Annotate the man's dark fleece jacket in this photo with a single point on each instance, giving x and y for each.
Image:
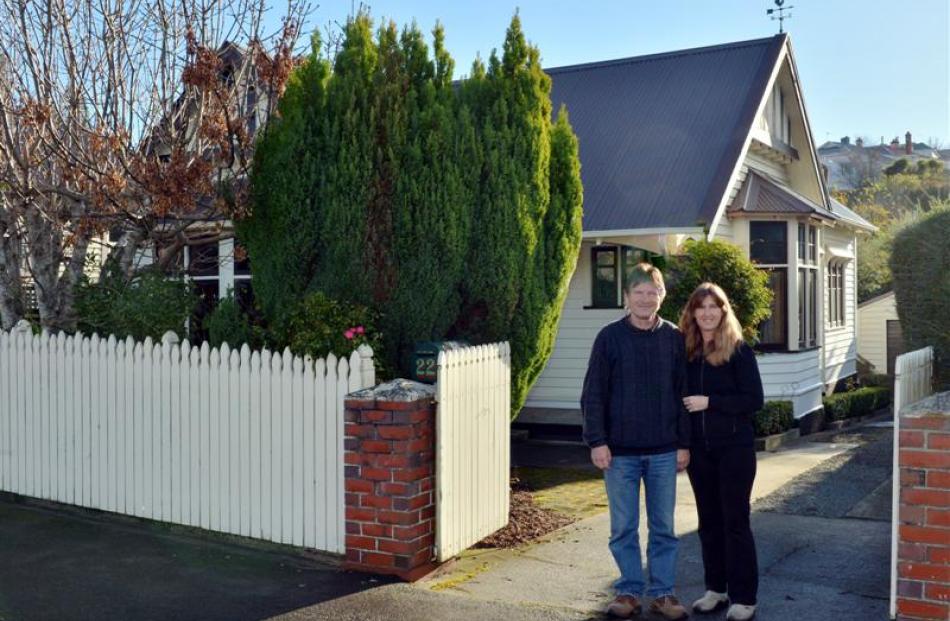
(633, 391)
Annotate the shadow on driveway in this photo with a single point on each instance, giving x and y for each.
(67, 565)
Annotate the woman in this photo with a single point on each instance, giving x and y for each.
(725, 391)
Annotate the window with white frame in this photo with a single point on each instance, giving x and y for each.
(836, 310)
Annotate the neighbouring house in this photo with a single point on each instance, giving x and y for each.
(708, 143)
(880, 340)
(849, 162)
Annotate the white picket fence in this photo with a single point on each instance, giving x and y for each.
(913, 381)
(241, 442)
(472, 445)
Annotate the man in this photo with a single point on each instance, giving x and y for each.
(637, 428)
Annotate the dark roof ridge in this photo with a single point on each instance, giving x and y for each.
(663, 55)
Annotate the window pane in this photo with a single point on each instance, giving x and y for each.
(812, 308)
(605, 257)
(207, 291)
(832, 297)
(802, 275)
(242, 263)
(772, 332)
(812, 244)
(801, 242)
(767, 242)
(203, 260)
(630, 258)
(842, 282)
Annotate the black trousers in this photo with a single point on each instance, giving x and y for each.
(722, 484)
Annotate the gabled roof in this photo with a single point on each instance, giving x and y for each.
(660, 135)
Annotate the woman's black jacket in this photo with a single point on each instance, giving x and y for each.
(735, 395)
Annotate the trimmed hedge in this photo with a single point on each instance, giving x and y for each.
(774, 417)
(856, 402)
(920, 264)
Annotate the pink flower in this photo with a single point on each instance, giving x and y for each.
(360, 330)
(349, 334)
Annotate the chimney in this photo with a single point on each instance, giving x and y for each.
(845, 140)
(908, 144)
(859, 142)
(895, 145)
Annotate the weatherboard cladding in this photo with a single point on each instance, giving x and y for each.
(660, 135)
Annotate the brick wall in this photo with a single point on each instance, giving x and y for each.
(390, 470)
(923, 552)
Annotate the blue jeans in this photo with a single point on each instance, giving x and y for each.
(623, 493)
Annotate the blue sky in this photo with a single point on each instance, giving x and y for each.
(871, 68)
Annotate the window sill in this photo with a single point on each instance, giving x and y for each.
(834, 329)
(781, 349)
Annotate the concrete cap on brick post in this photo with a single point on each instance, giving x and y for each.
(389, 454)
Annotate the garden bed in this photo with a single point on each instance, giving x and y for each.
(776, 440)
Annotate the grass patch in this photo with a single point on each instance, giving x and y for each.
(575, 492)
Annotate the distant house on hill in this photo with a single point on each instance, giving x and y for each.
(848, 162)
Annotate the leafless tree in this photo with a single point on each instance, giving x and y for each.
(134, 117)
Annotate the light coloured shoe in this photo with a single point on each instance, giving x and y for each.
(625, 607)
(740, 612)
(710, 602)
(668, 607)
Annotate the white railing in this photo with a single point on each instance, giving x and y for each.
(913, 381)
(241, 442)
(473, 444)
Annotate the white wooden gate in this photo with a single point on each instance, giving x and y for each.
(913, 381)
(472, 446)
(226, 440)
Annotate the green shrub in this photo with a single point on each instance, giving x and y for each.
(454, 210)
(881, 380)
(856, 403)
(725, 265)
(920, 264)
(774, 417)
(149, 305)
(228, 324)
(320, 325)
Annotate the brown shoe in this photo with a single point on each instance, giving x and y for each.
(668, 607)
(625, 607)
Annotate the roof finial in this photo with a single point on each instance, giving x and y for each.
(781, 17)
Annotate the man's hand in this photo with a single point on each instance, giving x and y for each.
(601, 456)
(682, 459)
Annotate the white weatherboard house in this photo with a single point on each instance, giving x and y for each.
(708, 143)
(880, 339)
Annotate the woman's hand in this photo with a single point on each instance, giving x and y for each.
(696, 403)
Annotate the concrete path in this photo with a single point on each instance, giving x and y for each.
(842, 563)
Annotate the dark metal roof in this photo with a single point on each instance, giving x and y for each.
(761, 194)
(843, 213)
(660, 135)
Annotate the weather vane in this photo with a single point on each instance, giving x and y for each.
(781, 17)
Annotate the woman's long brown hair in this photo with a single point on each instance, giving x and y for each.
(728, 334)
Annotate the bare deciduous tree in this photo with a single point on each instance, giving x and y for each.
(134, 117)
